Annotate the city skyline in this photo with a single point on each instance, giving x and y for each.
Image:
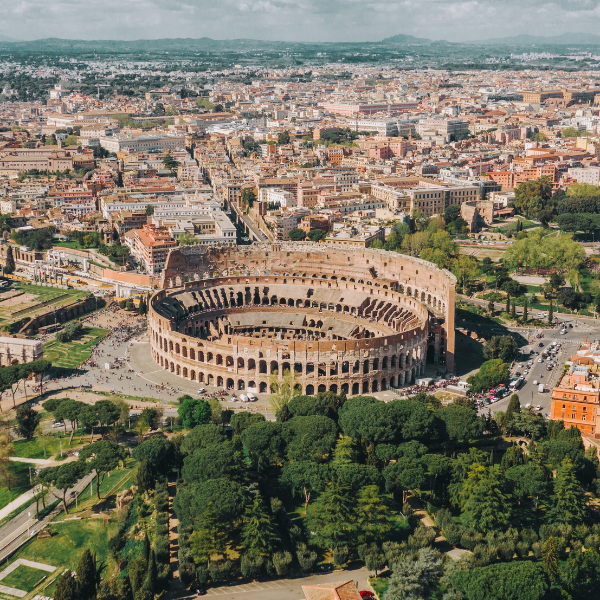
(296, 20)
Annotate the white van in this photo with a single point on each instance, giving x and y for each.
(251, 397)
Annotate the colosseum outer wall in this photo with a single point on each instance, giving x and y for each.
(424, 289)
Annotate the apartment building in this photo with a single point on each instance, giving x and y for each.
(589, 175)
(575, 399)
(150, 246)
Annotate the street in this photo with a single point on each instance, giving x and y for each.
(16, 531)
(583, 328)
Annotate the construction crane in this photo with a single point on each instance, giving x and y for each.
(99, 85)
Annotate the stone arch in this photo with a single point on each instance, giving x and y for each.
(193, 375)
(219, 381)
(241, 384)
(251, 365)
(310, 390)
(240, 362)
(355, 388)
(262, 387)
(230, 383)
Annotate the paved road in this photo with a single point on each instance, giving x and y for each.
(528, 393)
(17, 530)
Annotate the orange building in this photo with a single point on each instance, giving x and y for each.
(575, 399)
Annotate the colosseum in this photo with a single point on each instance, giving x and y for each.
(321, 316)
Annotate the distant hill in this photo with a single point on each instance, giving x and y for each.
(564, 39)
(402, 38)
(5, 38)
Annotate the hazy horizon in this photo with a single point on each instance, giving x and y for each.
(295, 20)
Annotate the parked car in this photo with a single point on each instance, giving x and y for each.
(366, 594)
(202, 391)
(58, 424)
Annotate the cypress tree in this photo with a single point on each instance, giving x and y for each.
(513, 311)
(570, 506)
(146, 547)
(507, 302)
(550, 313)
(86, 576)
(126, 591)
(10, 261)
(66, 587)
(152, 572)
(525, 310)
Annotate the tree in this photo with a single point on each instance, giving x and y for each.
(550, 559)
(264, 444)
(87, 579)
(491, 373)
(27, 421)
(258, 531)
(304, 477)
(208, 539)
(516, 580)
(332, 517)
(570, 505)
(501, 346)
(415, 579)
(297, 235)
(487, 506)
(69, 410)
(525, 310)
(316, 235)
(102, 457)
(248, 197)
(531, 196)
(283, 138)
(514, 407)
(9, 267)
(7, 476)
(152, 577)
(309, 438)
(159, 453)
(374, 519)
(149, 210)
(212, 462)
(66, 587)
(194, 412)
(550, 313)
(108, 413)
(580, 575)
(65, 477)
(462, 422)
(88, 417)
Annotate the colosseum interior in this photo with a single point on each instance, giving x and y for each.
(321, 317)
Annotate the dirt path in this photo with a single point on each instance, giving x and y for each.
(176, 587)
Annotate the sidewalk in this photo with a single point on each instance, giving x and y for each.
(26, 497)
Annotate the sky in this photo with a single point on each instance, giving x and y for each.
(294, 20)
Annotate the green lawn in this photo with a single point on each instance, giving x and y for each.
(71, 354)
(20, 472)
(24, 578)
(72, 244)
(34, 299)
(34, 448)
(379, 584)
(68, 542)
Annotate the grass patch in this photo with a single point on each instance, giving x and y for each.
(20, 474)
(72, 244)
(24, 578)
(68, 542)
(71, 354)
(34, 448)
(380, 585)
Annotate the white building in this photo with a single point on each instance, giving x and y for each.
(589, 175)
(143, 143)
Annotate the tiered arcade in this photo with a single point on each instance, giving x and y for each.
(327, 318)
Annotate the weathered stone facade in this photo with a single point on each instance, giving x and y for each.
(16, 351)
(336, 319)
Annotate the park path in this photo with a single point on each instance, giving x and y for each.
(176, 588)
